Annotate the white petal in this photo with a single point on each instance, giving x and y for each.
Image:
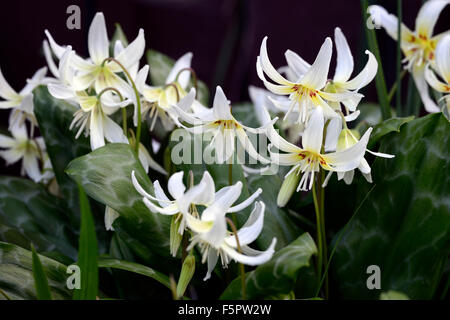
(333, 130)
(6, 92)
(389, 22)
(345, 64)
(252, 260)
(207, 197)
(113, 132)
(380, 154)
(248, 146)
(212, 261)
(96, 129)
(182, 63)
(163, 200)
(422, 86)
(145, 157)
(428, 16)
(98, 43)
(19, 131)
(366, 75)
(364, 166)
(110, 216)
(6, 142)
(250, 231)
(133, 52)
(169, 210)
(11, 156)
(56, 48)
(49, 58)
(312, 137)
(434, 82)
(317, 75)
(221, 105)
(34, 81)
(296, 63)
(216, 235)
(31, 166)
(225, 197)
(268, 67)
(60, 91)
(141, 78)
(176, 186)
(244, 204)
(443, 58)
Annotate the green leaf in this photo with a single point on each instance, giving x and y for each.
(136, 268)
(245, 113)
(16, 275)
(87, 253)
(278, 276)
(30, 214)
(105, 175)
(276, 220)
(404, 226)
(385, 127)
(393, 295)
(40, 279)
(54, 117)
(160, 66)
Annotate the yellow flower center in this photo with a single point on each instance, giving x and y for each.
(419, 49)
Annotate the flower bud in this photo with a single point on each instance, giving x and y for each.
(288, 187)
(187, 272)
(346, 139)
(175, 236)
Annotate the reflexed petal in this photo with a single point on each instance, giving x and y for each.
(169, 210)
(434, 82)
(365, 76)
(198, 225)
(349, 158)
(19, 131)
(244, 204)
(163, 200)
(248, 146)
(268, 67)
(207, 197)
(113, 132)
(333, 130)
(250, 231)
(176, 186)
(133, 52)
(421, 85)
(31, 166)
(287, 159)
(144, 157)
(212, 261)
(6, 142)
(296, 63)
(110, 216)
(251, 260)
(364, 166)
(443, 58)
(224, 199)
(141, 190)
(34, 81)
(6, 92)
(98, 44)
(312, 137)
(60, 91)
(184, 77)
(345, 64)
(11, 156)
(9, 104)
(96, 129)
(141, 78)
(428, 16)
(389, 22)
(380, 154)
(317, 75)
(56, 48)
(49, 58)
(221, 105)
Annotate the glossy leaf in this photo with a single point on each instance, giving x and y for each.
(105, 175)
(404, 226)
(40, 278)
(16, 275)
(87, 252)
(385, 127)
(278, 276)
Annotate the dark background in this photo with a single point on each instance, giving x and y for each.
(225, 36)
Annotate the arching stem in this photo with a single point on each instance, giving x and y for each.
(241, 266)
(124, 111)
(194, 76)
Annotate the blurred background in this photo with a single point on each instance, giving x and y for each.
(224, 35)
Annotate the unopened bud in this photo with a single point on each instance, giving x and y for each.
(175, 236)
(288, 187)
(187, 272)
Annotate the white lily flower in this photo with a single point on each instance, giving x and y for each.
(22, 147)
(219, 121)
(310, 158)
(95, 72)
(212, 236)
(418, 46)
(346, 139)
(22, 101)
(442, 69)
(306, 94)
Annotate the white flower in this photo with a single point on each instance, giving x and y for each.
(310, 158)
(148, 162)
(212, 236)
(443, 69)
(306, 94)
(22, 101)
(418, 46)
(21, 147)
(95, 72)
(220, 122)
(345, 140)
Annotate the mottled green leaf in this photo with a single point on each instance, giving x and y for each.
(16, 275)
(278, 276)
(385, 127)
(404, 226)
(29, 213)
(105, 175)
(393, 295)
(40, 278)
(87, 252)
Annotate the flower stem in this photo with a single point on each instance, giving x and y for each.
(194, 76)
(241, 266)
(138, 101)
(319, 232)
(124, 111)
(322, 219)
(399, 58)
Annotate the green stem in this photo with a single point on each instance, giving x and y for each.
(379, 79)
(194, 76)
(319, 232)
(124, 111)
(3, 293)
(241, 266)
(138, 101)
(322, 220)
(394, 86)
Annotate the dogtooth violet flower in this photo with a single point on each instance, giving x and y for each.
(442, 69)
(220, 122)
(21, 102)
(307, 160)
(210, 229)
(96, 72)
(419, 45)
(307, 92)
